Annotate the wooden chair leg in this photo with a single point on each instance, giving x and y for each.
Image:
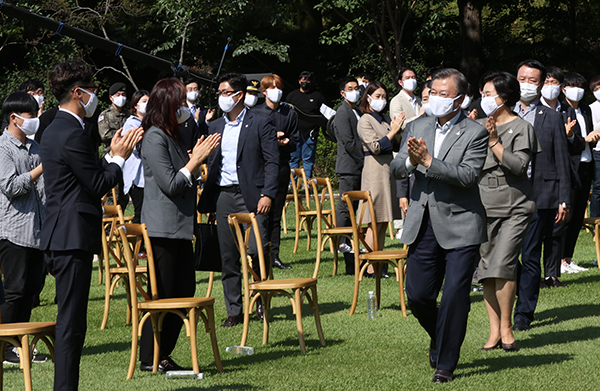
(247, 310)
(357, 273)
(193, 340)
(298, 302)
(156, 332)
(319, 249)
(266, 309)
(107, 285)
(309, 223)
(134, 346)
(283, 218)
(377, 271)
(597, 243)
(210, 315)
(297, 238)
(211, 280)
(315, 305)
(25, 361)
(391, 229)
(401, 286)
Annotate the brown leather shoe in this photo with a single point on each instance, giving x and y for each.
(233, 320)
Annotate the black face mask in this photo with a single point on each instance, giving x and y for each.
(305, 85)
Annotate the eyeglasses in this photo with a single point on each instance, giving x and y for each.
(226, 93)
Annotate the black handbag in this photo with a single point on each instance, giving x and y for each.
(208, 253)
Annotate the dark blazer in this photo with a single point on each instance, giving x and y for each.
(257, 159)
(350, 155)
(91, 126)
(75, 181)
(189, 133)
(551, 171)
(285, 120)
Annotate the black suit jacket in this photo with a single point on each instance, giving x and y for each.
(257, 162)
(189, 133)
(350, 155)
(285, 120)
(74, 181)
(551, 170)
(91, 126)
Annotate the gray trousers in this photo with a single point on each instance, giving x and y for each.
(231, 277)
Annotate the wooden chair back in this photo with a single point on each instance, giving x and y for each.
(321, 192)
(358, 225)
(298, 180)
(241, 238)
(112, 217)
(132, 236)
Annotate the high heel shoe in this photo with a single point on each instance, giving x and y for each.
(510, 347)
(496, 346)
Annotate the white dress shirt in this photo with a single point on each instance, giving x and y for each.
(229, 146)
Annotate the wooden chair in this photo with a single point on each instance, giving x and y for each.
(327, 228)
(267, 288)
(305, 215)
(289, 198)
(593, 225)
(18, 335)
(373, 256)
(199, 216)
(112, 248)
(189, 309)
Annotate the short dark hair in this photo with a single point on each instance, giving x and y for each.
(367, 75)
(191, 80)
(427, 85)
(404, 69)
(371, 88)
(165, 99)
(237, 81)
(308, 75)
(432, 71)
(67, 75)
(346, 80)
(19, 102)
(506, 85)
(462, 85)
(136, 98)
(555, 72)
(31, 85)
(534, 64)
(594, 82)
(574, 79)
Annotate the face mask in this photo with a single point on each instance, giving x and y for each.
(409, 84)
(597, 94)
(550, 92)
(427, 109)
(226, 103)
(574, 94)
(30, 125)
(363, 84)
(528, 92)
(466, 103)
(141, 107)
(192, 96)
(119, 101)
(305, 85)
(352, 96)
(250, 100)
(377, 104)
(441, 107)
(274, 94)
(489, 105)
(39, 99)
(90, 107)
(183, 114)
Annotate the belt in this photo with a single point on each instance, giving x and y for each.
(230, 189)
(495, 181)
(368, 153)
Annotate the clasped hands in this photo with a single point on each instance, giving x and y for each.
(123, 145)
(418, 152)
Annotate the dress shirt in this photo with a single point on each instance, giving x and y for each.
(558, 105)
(412, 101)
(23, 203)
(74, 115)
(529, 113)
(586, 155)
(440, 135)
(229, 147)
(133, 170)
(595, 107)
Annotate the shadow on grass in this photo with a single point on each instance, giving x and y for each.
(513, 360)
(561, 337)
(562, 314)
(284, 312)
(239, 386)
(114, 296)
(106, 347)
(590, 278)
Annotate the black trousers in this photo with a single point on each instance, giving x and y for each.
(346, 183)
(553, 250)
(73, 272)
(23, 270)
(579, 202)
(137, 198)
(274, 228)
(175, 277)
(427, 265)
(231, 276)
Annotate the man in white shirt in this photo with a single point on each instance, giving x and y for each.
(406, 101)
(595, 108)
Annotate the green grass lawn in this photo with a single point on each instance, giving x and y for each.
(560, 352)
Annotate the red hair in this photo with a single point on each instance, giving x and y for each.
(165, 99)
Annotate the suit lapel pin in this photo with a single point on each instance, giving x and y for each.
(458, 133)
(541, 112)
(246, 125)
(510, 131)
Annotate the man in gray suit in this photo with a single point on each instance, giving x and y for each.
(350, 156)
(445, 222)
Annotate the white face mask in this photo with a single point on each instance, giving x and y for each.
(119, 101)
(427, 109)
(39, 99)
(489, 105)
(597, 94)
(141, 107)
(440, 107)
(183, 114)
(377, 104)
(274, 94)
(550, 92)
(528, 92)
(192, 96)
(574, 94)
(30, 125)
(362, 83)
(466, 103)
(226, 103)
(90, 107)
(352, 96)
(250, 100)
(409, 84)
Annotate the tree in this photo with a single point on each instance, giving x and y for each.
(471, 61)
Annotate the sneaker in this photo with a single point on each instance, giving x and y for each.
(362, 250)
(11, 357)
(345, 248)
(399, 234)
(38, 357)
(578, 268)
(565, 268)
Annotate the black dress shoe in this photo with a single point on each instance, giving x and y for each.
(442, 376)
(385, 276)
(510, 347)
(233, 320)
(553, 282)
(164, 365)
(497, 345)
(543, 284)
(260, 314)
(521, 325)
(432, 358)
(280, 265)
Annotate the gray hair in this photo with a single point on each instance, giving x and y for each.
(462, 85)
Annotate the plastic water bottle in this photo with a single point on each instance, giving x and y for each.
(371, 306)
(243, 350)
(185, 375)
